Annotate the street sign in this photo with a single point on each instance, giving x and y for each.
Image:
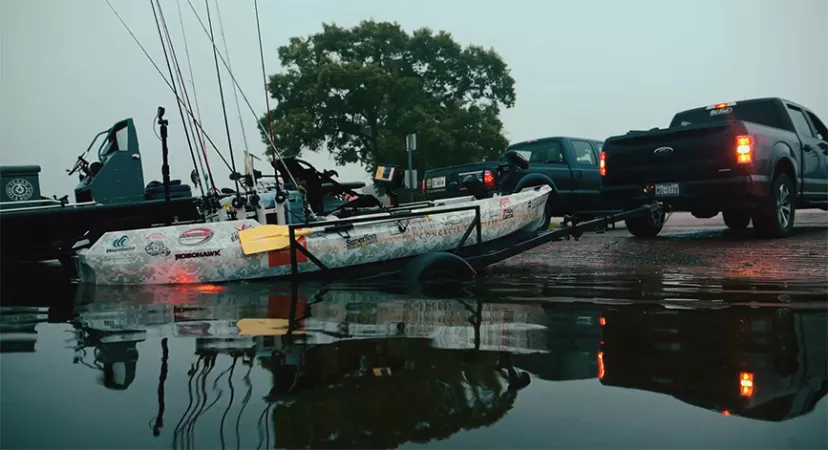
(411, 142)
(411, 179)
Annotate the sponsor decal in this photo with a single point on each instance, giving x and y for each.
(362, 241)
(235, 236)
(156, 236)
(447, 231)
(508, 213)
(195, 236)
(504, 202)
(191, 255)
(121, 244)
(157, 248)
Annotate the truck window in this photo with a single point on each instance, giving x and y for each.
(583, 152)
(540, 152)
(800, 122)
(822, 131)
(762, 112)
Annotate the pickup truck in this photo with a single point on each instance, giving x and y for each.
(568, 165)
(753, 160)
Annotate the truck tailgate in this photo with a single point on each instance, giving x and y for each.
(447, 181)
(705, 151)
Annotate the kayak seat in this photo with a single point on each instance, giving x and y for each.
(155, 190)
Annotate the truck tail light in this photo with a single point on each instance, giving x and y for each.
(488, 178)
(744, 149)
(602, 164)
(423, 185)
(746, 384)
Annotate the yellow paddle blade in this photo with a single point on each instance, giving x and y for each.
(265, 238)
(264, 327)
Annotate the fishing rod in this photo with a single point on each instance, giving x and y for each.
(223, 107)
(241, 91)
(183, 87)
(180, 112)
(195, 92)
(235, 91)
(178, 98)
(279, 194)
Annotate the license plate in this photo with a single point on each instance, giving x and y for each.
(439, 182)
(667, 189)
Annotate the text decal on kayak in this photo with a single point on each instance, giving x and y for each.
(195, 236)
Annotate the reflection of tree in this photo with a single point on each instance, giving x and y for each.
(337, 399)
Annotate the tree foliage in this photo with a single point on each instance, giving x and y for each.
(357, 92)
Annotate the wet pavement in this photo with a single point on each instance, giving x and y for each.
(701, 246)
(609, 342)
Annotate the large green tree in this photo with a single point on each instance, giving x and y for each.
(357, 92)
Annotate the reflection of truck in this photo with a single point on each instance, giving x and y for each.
(761, 363)
(568, 165)
(755, 160)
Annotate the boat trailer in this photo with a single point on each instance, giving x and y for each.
(464, 261)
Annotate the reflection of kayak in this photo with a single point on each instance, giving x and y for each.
(212, 252)
(258, 310)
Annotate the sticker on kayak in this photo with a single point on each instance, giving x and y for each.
(195, 236)
(716, 112)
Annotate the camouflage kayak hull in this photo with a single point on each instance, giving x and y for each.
(211, 252)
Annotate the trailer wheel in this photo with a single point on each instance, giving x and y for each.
(647, 226)
(438, 267)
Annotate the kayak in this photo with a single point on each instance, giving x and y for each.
(212, 252)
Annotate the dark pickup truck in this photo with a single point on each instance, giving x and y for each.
(568, 165)
(758, 160)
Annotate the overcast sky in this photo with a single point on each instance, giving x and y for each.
(591, 68)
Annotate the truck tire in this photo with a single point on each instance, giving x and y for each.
(775, 214)
(736, 220)
(646, 226)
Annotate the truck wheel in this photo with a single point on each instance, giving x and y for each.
(736, 220)
(646, 226)
(774, 217)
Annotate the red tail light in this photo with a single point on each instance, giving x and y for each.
(488, 178)
(746, 384)
(423, 185)
(602, 164)
(601, 370)
(744, 149)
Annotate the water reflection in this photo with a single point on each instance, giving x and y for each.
(762, 363)
(260, 365)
